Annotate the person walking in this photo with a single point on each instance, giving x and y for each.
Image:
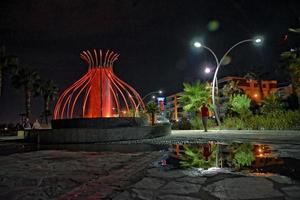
(204, 115)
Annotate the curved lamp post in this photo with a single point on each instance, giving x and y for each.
(150, 93)
(256, 40)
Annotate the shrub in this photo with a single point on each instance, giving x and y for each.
(234, 123)
(240, 103)
(196, 123)
(270, 103)
(275, 120)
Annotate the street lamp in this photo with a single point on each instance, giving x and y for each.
(150, 93)
(256, 40)
(207, 70)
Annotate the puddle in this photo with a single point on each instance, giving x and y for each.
(213, 157)
(238, 157)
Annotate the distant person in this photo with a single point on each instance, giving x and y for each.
(204, 115)
(26, 124)
(36, 124)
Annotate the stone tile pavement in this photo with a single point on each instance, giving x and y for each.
(111, 175)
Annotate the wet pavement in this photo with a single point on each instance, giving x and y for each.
(111, 175)
(59, 174)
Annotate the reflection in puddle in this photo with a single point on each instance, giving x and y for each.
(246, 157)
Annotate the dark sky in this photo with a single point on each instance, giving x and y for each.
(154, 39)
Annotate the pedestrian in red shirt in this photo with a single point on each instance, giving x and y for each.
(204, 114)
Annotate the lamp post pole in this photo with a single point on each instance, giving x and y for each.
(150, 93)
(214, 83)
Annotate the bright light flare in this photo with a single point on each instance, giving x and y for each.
(258, 40)
(197, 44)
(207, 70)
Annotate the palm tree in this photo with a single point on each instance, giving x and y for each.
(194, 95)
(49, 92)
(5, 63)
(26, 79)
(291, 63)
(258, 76)
(152, 109)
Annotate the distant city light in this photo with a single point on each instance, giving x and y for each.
(160, 91)
(153, 97)
(197, 44)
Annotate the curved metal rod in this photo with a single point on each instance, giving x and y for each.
(125, 89)
(96, 57)
(84, 85)
(70, 96)
(120, 91)
(92, 60)
(115, 96)
(62, 96)
(100, 53)
(87, 94)
(134, 91)
(216, 72)
(105, 58)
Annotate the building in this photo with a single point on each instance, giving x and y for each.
(251, 87)
(173, 108)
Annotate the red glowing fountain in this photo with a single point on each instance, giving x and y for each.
(99, 93)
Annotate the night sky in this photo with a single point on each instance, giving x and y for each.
(154, 39)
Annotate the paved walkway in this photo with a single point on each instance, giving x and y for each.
(134, 176)
(229, 135)
(82, 175)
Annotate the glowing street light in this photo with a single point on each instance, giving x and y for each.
(257, 40)
(197, 44)
(207, 70)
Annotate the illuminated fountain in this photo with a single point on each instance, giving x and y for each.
(99, 93)
(95, 108)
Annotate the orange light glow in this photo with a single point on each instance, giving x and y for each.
(99, 93)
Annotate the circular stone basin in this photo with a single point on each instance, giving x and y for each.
(100, 123)
(95, 130)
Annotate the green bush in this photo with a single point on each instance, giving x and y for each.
(271, 103)
(234, 123)
(240, 103)
(275, 120)
(196, 123)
